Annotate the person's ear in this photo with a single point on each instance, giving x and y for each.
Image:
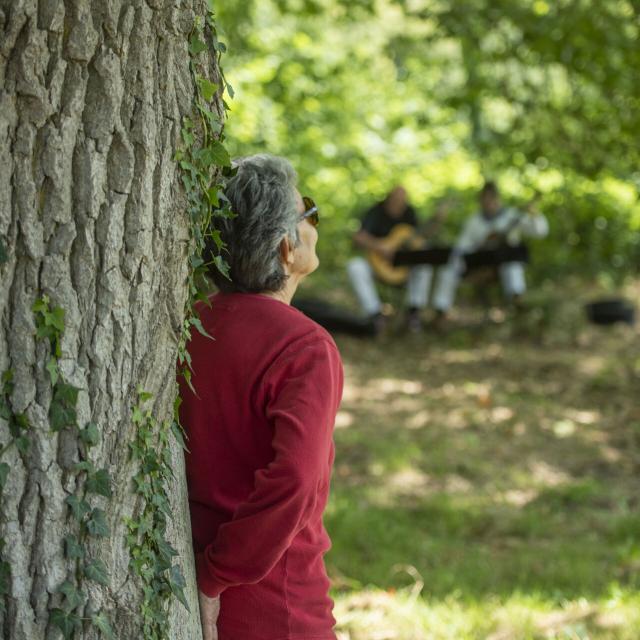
(286, 251)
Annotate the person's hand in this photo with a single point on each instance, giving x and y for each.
(531, 208)
(443, 209)
(386, 252)
(209, 610)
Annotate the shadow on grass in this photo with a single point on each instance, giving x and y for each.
(493, 466)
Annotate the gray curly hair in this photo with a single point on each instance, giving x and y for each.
(263, 197)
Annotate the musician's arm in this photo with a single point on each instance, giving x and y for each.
(365, 240)
(470, 237)
(534, 224)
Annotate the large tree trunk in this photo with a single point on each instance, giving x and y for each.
(91, 214)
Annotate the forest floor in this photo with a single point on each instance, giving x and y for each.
(487, 479)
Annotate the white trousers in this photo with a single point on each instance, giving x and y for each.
(363, 283)
(511, 277)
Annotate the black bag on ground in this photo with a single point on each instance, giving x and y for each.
(610, 311)
(334, 319)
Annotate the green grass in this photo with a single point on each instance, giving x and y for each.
(487, 484)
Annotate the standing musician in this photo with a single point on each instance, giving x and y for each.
(377, 226)
(492, 226)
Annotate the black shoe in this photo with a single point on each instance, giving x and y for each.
(440, 319)
(414, 321)
(378, 323)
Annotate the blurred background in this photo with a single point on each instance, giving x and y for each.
(436, 95)
(486, 480)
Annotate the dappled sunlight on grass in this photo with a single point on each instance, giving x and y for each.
(373, 614)
(505, 472)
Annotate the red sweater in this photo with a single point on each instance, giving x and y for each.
(261, 450)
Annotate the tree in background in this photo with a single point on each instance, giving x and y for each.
(540, 95)
(96, 228)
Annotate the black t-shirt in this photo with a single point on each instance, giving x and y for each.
(379, 223)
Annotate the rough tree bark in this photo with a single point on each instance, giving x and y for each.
(91, 211)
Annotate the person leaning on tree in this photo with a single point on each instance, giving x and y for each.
(260, 423)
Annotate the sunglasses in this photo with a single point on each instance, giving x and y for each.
(311, 214)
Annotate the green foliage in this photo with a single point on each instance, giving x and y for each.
(435, 95)
(73, 549)
(5, 577)
(100, 483)
(66, 621)
(49, 323)
(151, 554)
(18, 425)
(101, 622)
(478, 464)
(203, 160)
(96, 570)
(90, 520)
(4, 253)
(62, 411)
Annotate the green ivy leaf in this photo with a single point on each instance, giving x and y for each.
(165, 549)
(56, 319)
(162, 503)
(5, 577)
(101, 621)
(73, 548)
(66, 622)
(208, 89)
(100, 483)
(186, 374)
(188, 138)
(52, 368)
(72, 594)
(137, 416)
(41, 305)
(4, 474)
(24, 444)
(97, 524)
(179, 434)
(216, 154)
(90, 435)
(21, 422)
(219, 46)
(177, 584)
(197, 323)
(66, 393)
(5, 409)
(4, 254)
(196, 45)
(212, 196)
(62, 412)
(214, 234)
(222, 266)
(61, 416)
(195, 261)
(85, 465)
(97, 571)
(79, 507)
(143, 396)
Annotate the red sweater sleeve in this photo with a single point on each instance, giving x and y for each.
(303, 389)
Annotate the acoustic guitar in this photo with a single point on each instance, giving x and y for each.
(402, 236)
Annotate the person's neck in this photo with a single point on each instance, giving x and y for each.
(286, 293)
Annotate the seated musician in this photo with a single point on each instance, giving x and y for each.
(377, 223)
(493, 225)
